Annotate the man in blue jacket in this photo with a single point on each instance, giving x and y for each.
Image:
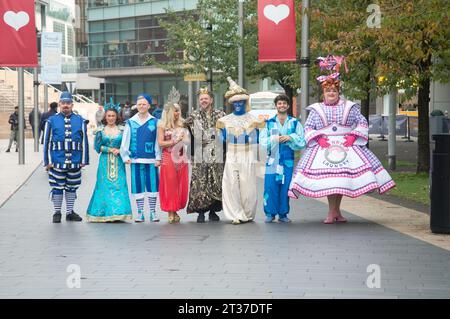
(282, 136)
(66, 151)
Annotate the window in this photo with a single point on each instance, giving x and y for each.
(96, 26)
(70, 42)
(112, 25)
(126, 24)
(59, 27)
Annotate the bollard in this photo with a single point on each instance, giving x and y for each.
(440, 185)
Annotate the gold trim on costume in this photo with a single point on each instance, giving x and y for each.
(113, 172)
(99, 219)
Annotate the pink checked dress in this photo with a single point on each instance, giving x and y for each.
(350, 171)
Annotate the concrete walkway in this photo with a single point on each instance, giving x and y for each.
(14, 175)
(384, 251)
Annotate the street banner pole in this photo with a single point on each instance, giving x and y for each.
(36, 110)
(241, 47)
(190, 97)
(21, 116)
(45, 98)
(392, 129)
(304, 61)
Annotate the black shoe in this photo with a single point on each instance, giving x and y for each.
(73, 217)
(8, 150)
(57, 217)
(213, 217)
(17, 150)
(201, 218)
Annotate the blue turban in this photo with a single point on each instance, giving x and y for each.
(144, 96)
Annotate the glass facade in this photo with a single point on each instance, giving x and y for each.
(123, 89)
(107, 3)
(123, 35)
(128, 42)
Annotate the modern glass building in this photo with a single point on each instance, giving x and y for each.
(123, 34)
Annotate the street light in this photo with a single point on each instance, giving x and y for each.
(210, 71)
(206, 23)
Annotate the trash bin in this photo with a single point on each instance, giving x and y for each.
(440, 185)
(436, 122)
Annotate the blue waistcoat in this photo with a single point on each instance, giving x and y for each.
(66, 141)
(143, 139)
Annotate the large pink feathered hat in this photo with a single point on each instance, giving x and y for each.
(332, 65)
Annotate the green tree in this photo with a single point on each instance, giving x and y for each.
(203, 39)
(217, 48)
(409, 49)
(414, 49)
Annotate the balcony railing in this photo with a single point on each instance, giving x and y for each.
(108, 3)
(79, 65)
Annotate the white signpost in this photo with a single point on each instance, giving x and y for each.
(51, 64)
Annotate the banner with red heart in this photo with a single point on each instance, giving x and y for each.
(276, 30)
(18, 34)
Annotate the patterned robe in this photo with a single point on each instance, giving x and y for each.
(205, 192)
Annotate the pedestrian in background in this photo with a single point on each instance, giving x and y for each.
(14, 135)
(52, 111)
(99, 115)
(31, 121)
(158, 112)
(125, 112)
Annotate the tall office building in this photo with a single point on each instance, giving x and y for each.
(122, 35)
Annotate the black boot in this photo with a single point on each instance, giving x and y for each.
(8, 150)
(201, 218)
(73, 217)
(57, 217)
(213, 217)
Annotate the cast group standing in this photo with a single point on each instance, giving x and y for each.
(224, 149)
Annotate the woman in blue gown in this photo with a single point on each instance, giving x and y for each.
(110, 201)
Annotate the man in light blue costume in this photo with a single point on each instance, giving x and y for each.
(282, 136)
(140, 149)
(66, 151)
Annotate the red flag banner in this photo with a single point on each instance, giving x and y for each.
(276, 30)
(18, 43)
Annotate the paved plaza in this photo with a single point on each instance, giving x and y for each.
(366, 258)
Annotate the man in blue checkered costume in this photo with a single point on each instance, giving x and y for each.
(66, 151)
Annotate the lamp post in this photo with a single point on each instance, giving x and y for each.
(304, 61)
(210, 68)
(207, 25)
(241, 47)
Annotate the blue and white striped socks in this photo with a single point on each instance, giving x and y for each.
(152, 204)
(140, 205)
(70, 201)
(57, 200)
